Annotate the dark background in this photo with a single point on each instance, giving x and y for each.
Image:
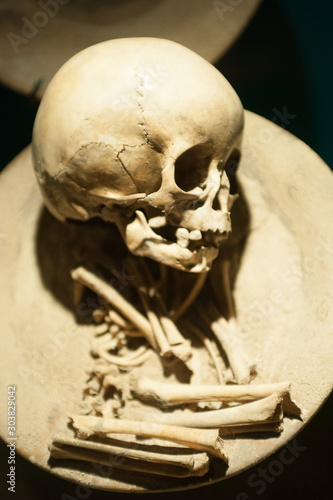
(281, 64)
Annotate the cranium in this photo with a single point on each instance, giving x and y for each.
(138, 131)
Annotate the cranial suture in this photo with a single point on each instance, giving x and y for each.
(138, 132)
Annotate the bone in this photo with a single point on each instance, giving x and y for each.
(225, 329)
(101, 329)
(78, 293)
(145, 293)
(99, 315)
(195, 235)
(133, 166)
(174, 394)
(266, 410)
(117, 322)
(157, 222)
(231, 431)
(225, 275)
(101, 340)
(136, 359)
(211, 349)
(141, 240)
(191, 296)
(167, 335)
(240, 366)
(111, 295)
(176, 463)
(114, 317)
(183, 237)
(206, 440)
(160, 337)
(180, 347)
(242, 369)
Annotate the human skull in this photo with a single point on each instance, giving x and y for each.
(138, 131)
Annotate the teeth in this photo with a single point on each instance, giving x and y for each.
(182, 233)
(183, 237)
(156, 222)
(195, 235)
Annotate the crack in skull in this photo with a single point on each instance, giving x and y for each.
(168, 192)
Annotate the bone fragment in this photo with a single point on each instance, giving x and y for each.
(225, 272)
(226, 334)
(237, 359)
(168, 394)
(177, 463)
(225, 329)
(99, 315)
(211, 348)
(168, 337)
(78, 293)
(191, 296)
(198, 439)
(180, 346)
(157, 328)
(101, 329)
(111, 295)
(275, 427)
(114, 317)
(265, 410)
(145, 292)
(137, 358)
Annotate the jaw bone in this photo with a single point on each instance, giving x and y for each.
(143, 241)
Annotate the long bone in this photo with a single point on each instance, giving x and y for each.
(170, 394)
(211, 347)
(225, 329)
(266, 410)
(199, 439)
(169, 338)
(175, 463)
(184, 306)
(111, 295)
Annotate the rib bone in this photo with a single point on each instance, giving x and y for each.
(168, 337)
(135, 359)
(224, 332)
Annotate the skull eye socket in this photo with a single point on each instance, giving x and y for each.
(191, 167)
